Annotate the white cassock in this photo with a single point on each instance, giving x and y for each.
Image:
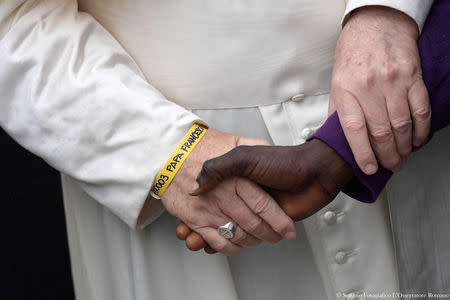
(106, 107)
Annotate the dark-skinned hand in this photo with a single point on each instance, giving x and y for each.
(302, 179)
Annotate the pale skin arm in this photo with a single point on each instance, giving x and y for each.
(377, 88)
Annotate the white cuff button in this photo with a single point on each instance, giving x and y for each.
(330, 217)
(340, 258)
(298, 98)
(307, 132)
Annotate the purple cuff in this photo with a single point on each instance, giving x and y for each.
(365, 188)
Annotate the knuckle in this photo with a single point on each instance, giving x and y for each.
(409, 69)
(381, 135)
(367, 80)
(209, 167)
(240, 148)
(240, 156)
(219, 245)
(256, 227)
(401, 125)
(239, 238)
(241, 153)
(389, 72)
(353, 125)
(423, 113)
(262, 205)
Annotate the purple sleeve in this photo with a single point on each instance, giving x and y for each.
(434, 47)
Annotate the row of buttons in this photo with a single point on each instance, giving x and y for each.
(306, 132)
(330, 218)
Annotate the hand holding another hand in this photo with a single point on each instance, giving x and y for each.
(302, 179)
(258, 216)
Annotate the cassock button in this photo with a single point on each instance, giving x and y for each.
(307, 132)
(340, 257)
(330, 217)
(298, 98)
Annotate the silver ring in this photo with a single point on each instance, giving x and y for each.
(227, 230)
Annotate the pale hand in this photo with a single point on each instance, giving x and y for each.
(377, 88)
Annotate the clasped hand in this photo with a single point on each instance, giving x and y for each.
(256, 213)
(302, 179)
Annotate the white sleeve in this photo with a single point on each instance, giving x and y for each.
(416, 9)
(72, 95)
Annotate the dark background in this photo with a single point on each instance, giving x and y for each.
(34, 263)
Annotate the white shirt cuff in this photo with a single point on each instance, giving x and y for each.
(416, 9)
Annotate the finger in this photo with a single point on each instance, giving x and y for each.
(242, 238)
(217, 242)
(419, 104)
(353, 123)
(263, 205)
(195, 242)
(214, 171)
(182, 231)
(400, 119)
(233, 204)
(251, 228)
(208, 249)
(380, 132)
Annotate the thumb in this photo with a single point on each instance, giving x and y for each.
(232, 163)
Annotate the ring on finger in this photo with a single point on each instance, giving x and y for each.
(228, 230)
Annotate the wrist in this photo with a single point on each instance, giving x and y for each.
(335, 172)
(177, 159)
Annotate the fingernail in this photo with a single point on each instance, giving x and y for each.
(370, 169)
(290, 235)
(194, 187)
(419, 147)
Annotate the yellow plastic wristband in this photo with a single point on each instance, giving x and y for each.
(177, 158)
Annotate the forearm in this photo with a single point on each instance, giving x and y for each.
(72, 95)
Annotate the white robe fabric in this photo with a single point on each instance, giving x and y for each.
(107, 106)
